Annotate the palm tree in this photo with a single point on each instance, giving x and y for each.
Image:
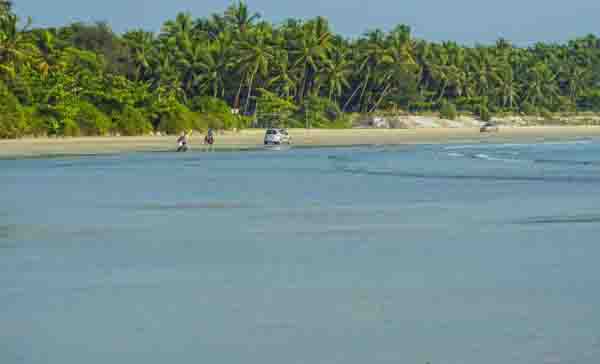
(239, 16)
(189, 61)
(5, 7)
(214, 66)
(213, 27)
(180, 29)
(310, 51)
(335, 73)
(576, 79)
(507, 86)
(255, 56)
(141, 43)
(541, 87)
(371, 51)
(283, 76)
(15, 48)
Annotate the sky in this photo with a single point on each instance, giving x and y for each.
(465, 21)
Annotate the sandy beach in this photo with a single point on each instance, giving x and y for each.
(252, 139)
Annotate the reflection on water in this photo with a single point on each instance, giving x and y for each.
(433, 253)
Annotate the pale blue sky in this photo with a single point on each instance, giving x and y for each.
(466, 21)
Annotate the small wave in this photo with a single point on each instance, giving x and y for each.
(505, 178)
(498, 159)
(566, 162)
(195, 206)
(339, 158)
(518, 145)
(567, 219)
(454, 154)
(569, 142)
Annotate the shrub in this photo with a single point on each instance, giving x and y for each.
(448, 111)
(131, 121)
(215, 114)
(484, 113)
(92, 121)
(38, 125)
(319, 112)
(529, 109)
(70, 128)
(178, 119)
(13, 123)
(420, 106)
(274, 111)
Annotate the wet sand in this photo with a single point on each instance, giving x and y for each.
(253, 139)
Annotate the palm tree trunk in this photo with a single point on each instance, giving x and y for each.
(236, 101)
(352, 97)
(302, 85)
(250, 83)
(362, 94)
(443, 91)
(383, 94)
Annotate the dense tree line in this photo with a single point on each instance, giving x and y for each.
(83, 79)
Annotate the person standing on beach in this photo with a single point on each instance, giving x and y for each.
(210, 137)
(182, 142)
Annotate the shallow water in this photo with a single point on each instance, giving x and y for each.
(482, 253)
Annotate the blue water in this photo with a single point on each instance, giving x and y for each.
(482, 253)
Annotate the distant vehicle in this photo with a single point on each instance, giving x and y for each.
(277, 136)
(489, 128)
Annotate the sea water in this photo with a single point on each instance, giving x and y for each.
(473, 253)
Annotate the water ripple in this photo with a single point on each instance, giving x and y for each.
(566, 219)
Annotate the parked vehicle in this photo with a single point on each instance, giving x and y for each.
(277, 136)
(489, 127)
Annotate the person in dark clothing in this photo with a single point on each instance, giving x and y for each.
(210, 137)
(182, 142)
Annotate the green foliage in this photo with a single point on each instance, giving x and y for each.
(529, 109)
(178, 119)
(66, 80)
(12, 116)
(484, 113)
(591, 100)
(275, 111)
(319, 112)
(448, 111)
(214, 113)
(131, 121)
(92, 121)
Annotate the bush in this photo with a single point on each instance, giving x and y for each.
(274, 111)
(591, 100)
(484, 113)
(70, 128)
(420, 106)
(38, 125)
(178, 119)
(216, 114)
(13, 122)
(529, 109)
(92, 121)
(320, 112)
(131, 121)
(448, 111)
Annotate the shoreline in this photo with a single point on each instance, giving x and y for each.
(251, 139)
